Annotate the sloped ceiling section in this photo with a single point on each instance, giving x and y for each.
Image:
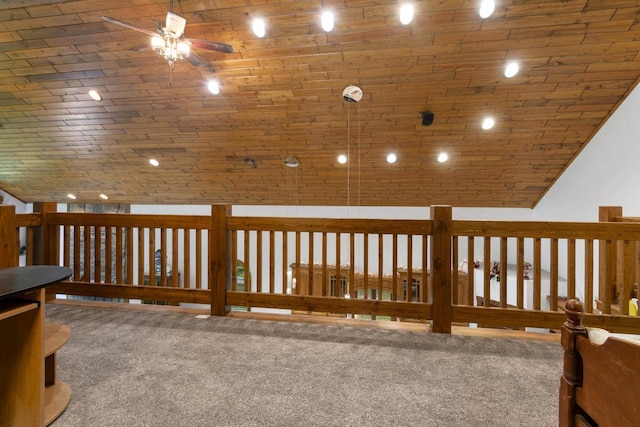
(281, 95)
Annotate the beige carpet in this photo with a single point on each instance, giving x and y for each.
(129, 368)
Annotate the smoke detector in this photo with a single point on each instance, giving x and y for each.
(292, 162)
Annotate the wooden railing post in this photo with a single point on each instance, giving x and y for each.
(607, 262)
(219, 258)
(8, 237)
(572, 367)
(45, 241)
(441, 269)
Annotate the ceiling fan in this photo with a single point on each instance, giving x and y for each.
(169, 42)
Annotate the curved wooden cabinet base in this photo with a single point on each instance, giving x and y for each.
(56, 399)
(56, 393)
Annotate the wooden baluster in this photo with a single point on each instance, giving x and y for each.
(259, 260)
(198, 255)
(141, 247)
(503, 272)
(571, 269)
(520, 273)
(554, 275)
(129, 234)
(471, 270)
(175, 269)
(588, 275)
(285, 262)
(108, 255)
(97, 254)
(487, 271)
(272, 262)
(186, 243)
(537, 270)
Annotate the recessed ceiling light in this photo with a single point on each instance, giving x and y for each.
(342, 159)
(486, 8)
(511, 69)
(95, 95)
(327, 20)
(391, 158)
(104, 197)
(154, 162)
(71, 196)
(214, 87)
(258, 27)
(443, 157)
(406, 13)
(488, 123)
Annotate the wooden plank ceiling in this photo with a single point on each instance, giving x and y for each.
(282, 95)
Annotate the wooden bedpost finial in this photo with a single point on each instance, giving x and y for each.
(575, 311)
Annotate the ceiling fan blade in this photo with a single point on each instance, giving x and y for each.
(208, 45)
(197, 61)
(141, 48)
(130, 26)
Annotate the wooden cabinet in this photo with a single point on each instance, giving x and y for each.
(23, 399)
(22, 360)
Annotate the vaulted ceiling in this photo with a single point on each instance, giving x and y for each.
(281, 95)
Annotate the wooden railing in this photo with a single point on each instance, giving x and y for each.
(417, 270)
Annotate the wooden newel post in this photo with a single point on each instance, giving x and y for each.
(45, 241)
(608, 260)
(572, 368)
(441, 269)
(8, 237)
(219, 259)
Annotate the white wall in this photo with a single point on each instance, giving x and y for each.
(9, 200)
(606, 173)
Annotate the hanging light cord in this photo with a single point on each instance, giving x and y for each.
(348, 155)
(359, 156)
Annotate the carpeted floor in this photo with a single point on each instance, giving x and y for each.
(130, 368)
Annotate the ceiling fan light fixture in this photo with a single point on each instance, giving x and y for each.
(183, 49)
(157, 44)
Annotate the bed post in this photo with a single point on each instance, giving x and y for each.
(572, 369)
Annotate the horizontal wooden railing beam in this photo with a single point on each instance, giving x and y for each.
(612, 323)
(28, 220)
(199, 296)
(509, 317)
(409, 310)
(331, 225)
(130, 220)
(548, 230)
